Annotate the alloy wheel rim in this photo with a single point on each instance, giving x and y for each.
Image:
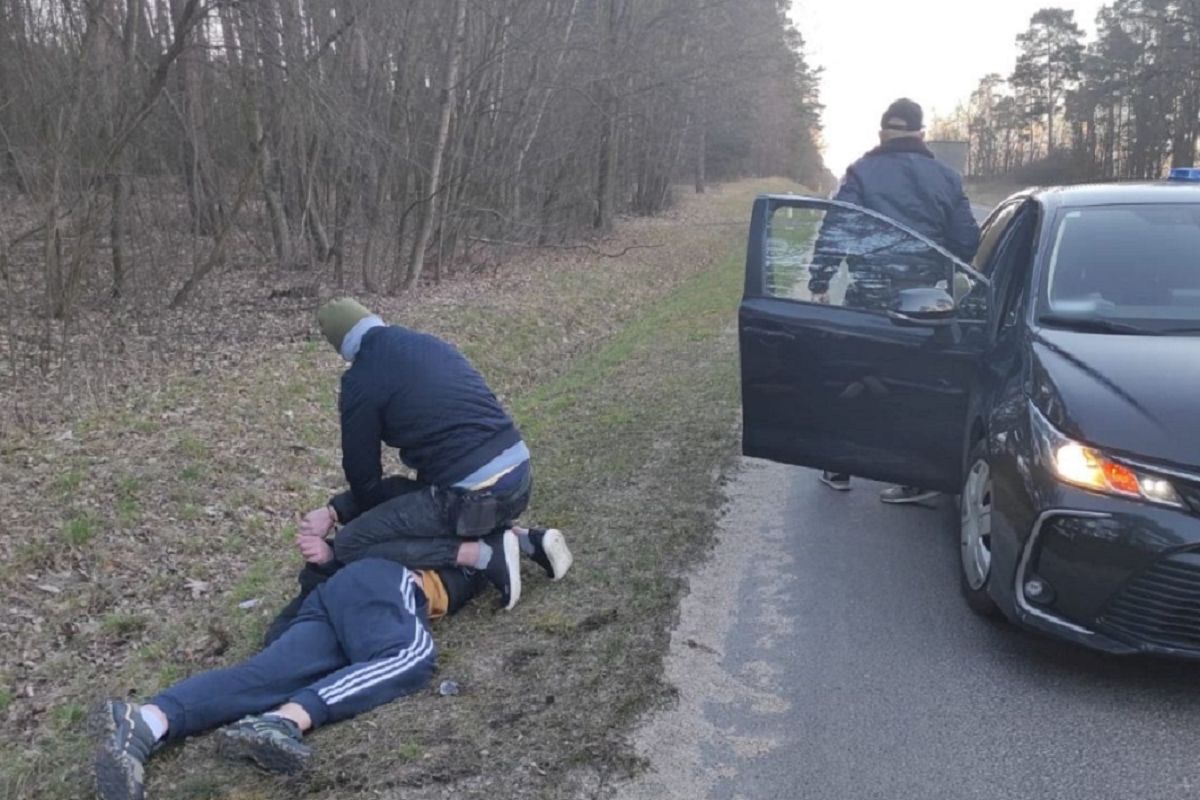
(976, 534)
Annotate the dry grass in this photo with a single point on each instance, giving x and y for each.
(138, 518)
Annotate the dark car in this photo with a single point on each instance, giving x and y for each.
(1054, 385)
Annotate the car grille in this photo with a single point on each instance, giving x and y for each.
(1161, 606)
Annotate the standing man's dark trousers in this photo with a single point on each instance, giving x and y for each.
(422, 526)
(361, 639)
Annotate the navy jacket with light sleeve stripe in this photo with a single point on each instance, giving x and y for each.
(414, 392)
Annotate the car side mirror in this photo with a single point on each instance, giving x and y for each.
(926, 308)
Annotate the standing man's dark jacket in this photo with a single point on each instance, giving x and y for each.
(420, 395)
(902, 180)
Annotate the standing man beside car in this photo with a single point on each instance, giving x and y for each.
(902, 180)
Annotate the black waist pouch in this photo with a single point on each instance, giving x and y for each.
(473, 515)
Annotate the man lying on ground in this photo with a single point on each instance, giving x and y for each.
(357, 640)
(354, 638)
(414, 392)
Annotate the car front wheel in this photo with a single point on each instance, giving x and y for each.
(975, 533)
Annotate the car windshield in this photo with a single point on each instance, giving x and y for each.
(1136, 267)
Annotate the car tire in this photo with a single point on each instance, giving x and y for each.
(974, 533)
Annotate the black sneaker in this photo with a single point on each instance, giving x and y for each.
(550, 551)
(839, 482)
(121, 756)
(272, 743)
(504, 570)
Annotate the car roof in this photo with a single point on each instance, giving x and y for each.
(1104, 194)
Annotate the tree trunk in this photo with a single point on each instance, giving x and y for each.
(115, 68)
(606, 163)
(199, 171)
(535, 128)
(256, 30)
(1183, 146)
(449, 95)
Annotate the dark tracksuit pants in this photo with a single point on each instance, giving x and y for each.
(420, 525)
(361, 639)
(460, 584)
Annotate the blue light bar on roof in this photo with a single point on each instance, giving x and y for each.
(1190, 174)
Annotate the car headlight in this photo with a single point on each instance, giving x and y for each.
(1089, 468)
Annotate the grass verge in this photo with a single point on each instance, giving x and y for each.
(175, 508)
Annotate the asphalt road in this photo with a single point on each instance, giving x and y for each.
(824, 652)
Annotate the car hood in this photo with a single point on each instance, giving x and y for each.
(1135, 395)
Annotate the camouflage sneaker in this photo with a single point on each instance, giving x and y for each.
(126, 743)
(272, 743)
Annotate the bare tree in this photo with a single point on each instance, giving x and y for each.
(398, 137)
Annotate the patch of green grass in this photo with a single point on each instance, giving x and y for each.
(193, 473)
(6, 698)
(297, 389)
(80, 529)
(409, 751)
(168, 675)
(254, 526)
(287, 533)
(182, 494)
(69, 716)
(697, 311)
(193, 447)
(123, 625)
(255, 581)
(129, 510)
(68, 482)
(189, 512)
(554, 623)
(207, 787)
(314, 498)
(33, 555)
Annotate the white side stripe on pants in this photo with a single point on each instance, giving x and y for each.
(406, 591)
(378, 672)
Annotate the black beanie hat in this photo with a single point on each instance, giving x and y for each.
(903, 115)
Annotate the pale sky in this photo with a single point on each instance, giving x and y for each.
(934, 51)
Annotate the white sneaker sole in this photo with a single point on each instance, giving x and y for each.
(512, 561)
(557, 553)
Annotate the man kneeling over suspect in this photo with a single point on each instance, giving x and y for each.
(420, 395)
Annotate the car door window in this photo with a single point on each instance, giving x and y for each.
(1011, 268)
(838, 255)
(992, 233)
